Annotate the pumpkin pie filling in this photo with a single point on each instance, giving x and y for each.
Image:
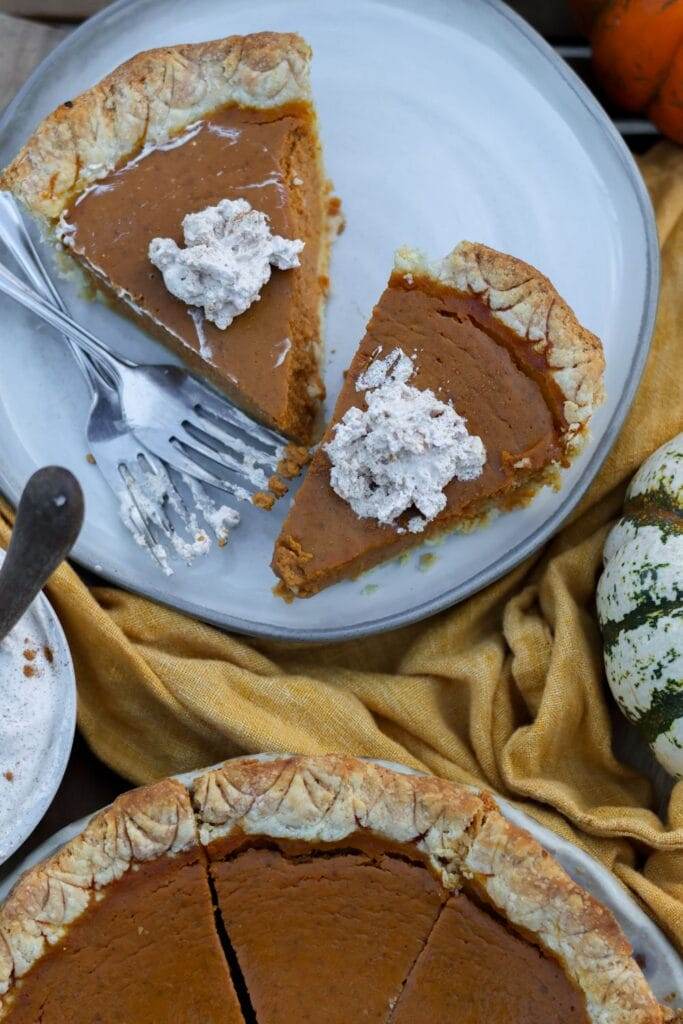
(112, 968)
(474, 970)
(360, 931)
(311, 890)
(398, 949)
(464, 356)
(357, 924)
(268, 358)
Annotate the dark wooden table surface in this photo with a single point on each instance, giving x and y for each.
(29, 29)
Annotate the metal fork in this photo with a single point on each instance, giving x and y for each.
(141, 482)
(177, 417)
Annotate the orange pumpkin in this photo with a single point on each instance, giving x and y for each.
(638, 55)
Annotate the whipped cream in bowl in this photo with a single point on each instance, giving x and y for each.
(37, 720)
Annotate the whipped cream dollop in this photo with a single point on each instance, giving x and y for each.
(402, 449)
(227, 259)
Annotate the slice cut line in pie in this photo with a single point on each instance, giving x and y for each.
(317, 889)
(172, 132)
(491, 335)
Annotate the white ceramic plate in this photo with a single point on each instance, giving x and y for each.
(37, 720)
(660, 962)
(442, 120)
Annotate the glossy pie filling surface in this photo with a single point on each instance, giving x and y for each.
(268, 358)
(462, 354)
(282, 933)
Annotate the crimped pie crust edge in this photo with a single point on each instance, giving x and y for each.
(145, 101)
(523, 299)
(459, 830)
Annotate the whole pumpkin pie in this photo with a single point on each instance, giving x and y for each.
(473, 386)
(311, 889)
(174, 132)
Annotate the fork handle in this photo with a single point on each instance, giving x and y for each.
(26, 296)
(48, 521)
(15, 235)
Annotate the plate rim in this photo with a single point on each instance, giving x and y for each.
(545, 531)
(619, 900)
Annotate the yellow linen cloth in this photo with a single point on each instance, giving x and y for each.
(507, 689)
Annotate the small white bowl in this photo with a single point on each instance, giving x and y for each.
(37, 720)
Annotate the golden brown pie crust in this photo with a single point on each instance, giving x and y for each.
(458, 832)
(146, 101)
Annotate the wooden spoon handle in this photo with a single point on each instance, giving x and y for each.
(48, 521)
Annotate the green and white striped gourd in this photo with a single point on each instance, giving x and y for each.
(640, 604)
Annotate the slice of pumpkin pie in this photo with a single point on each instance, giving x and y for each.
(473, 386)
(189, 185)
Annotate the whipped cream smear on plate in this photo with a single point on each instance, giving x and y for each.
(402, 449)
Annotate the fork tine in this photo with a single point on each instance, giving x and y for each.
(206, 399)
(173, 494)
(170, 496)
(154, 502)
(140, 525)
(193, 446)
(220, 520)
(187, 466)
(232, 442)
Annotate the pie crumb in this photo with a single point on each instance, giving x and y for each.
(264, 500)
(277, 486)
(293, 461)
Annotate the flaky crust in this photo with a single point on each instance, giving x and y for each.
(525, 301)
(140, 826)
(458, 830)
(146, 101)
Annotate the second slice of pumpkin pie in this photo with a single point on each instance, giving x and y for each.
(474, 384)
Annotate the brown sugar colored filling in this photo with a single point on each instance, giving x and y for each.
(147, 952)
(375, 938)
(502, 388)
(352, 932)
(268, 358)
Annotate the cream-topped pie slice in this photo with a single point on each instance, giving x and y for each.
(166, 137)
(473, 386)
